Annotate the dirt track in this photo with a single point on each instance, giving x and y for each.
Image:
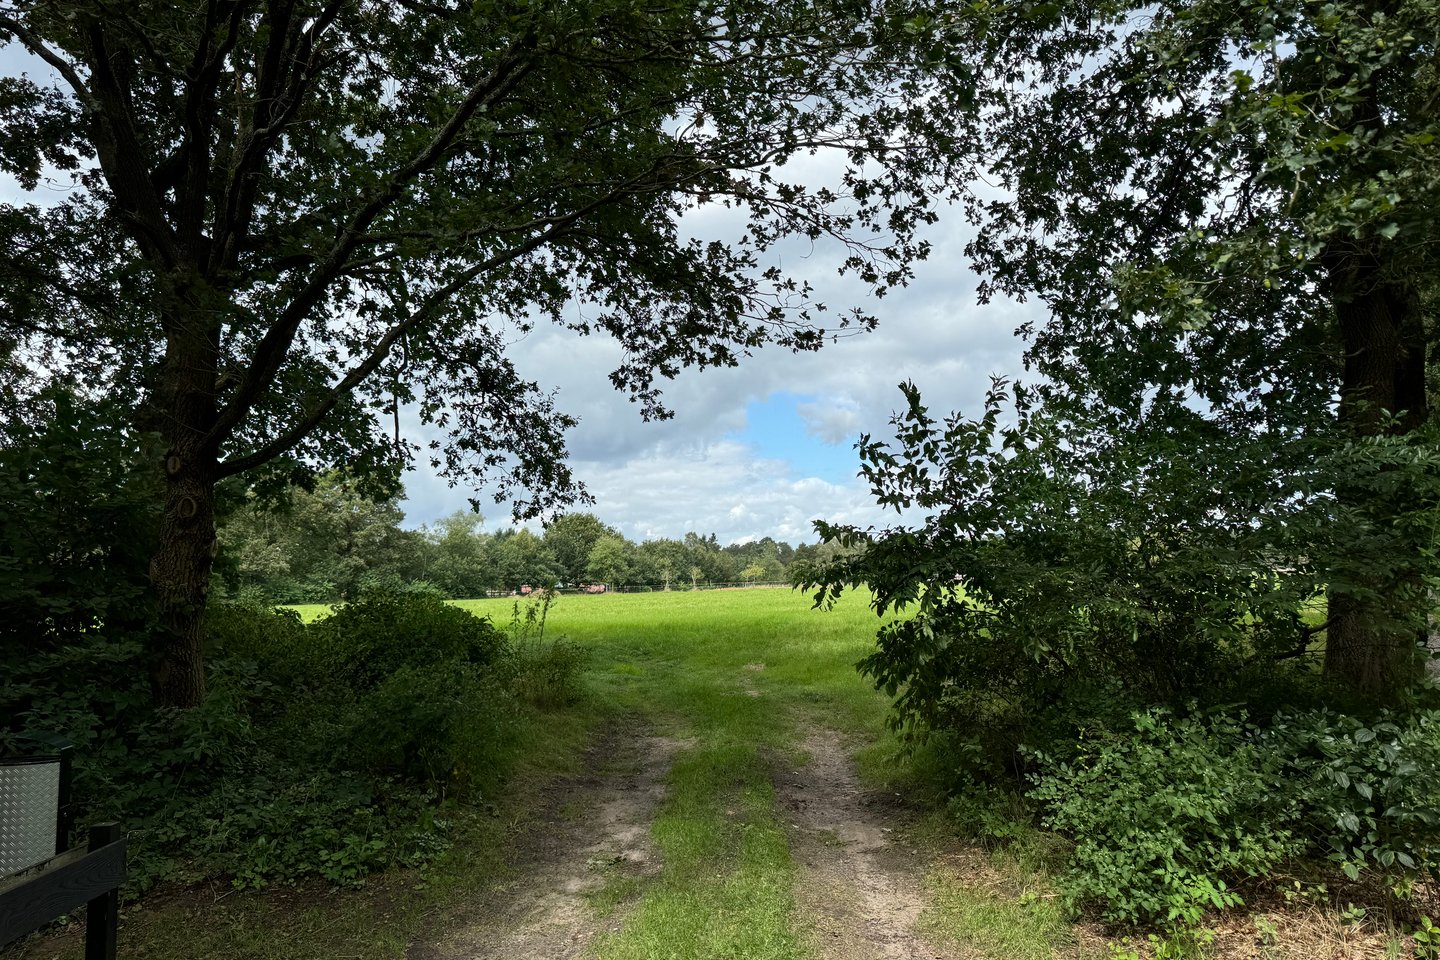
(861, 892)
(858, 893)
(594, 825)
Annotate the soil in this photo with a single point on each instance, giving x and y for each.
(591, 827)
(859, 886)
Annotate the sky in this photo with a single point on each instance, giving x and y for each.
(759, 450)
(766, 448)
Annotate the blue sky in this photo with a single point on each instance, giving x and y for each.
(775, 430)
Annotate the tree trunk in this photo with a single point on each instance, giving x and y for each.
(180, 575)
(1371, 641)
(184, 411)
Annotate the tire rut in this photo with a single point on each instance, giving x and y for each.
(592, 826)
(861, 893)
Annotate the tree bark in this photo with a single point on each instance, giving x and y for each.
(1371, 643)
(180, 575)
(183, 407)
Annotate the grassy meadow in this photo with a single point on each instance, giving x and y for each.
(735, 676)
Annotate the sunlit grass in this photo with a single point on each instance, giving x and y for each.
(735, 676)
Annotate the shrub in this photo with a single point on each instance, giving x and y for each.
(448, 725)
(1369, 793)
(363, 642)
(319, 751)
(1166, 816)
(418, 689)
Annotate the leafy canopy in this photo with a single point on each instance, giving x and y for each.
(344, 207)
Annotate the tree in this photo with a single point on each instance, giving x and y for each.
(571, 537)
(520, 558)
(77, 519)
(325, 544)
(610, 561)
(293, 219)
(1228, 208)
(660, 561)
(459, 562)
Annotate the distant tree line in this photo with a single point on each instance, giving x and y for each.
(337, 541)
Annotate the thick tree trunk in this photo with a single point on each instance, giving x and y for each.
(1371, 642)
(184, 412)
(180, 575)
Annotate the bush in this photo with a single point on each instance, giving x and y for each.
(1369, 792)
(324, 750)
(1165, 817)
(448, 725)
(364, 642)
(418, 689)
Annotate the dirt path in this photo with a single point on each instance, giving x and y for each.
(593, 826)
(857, 888)
(861, 891)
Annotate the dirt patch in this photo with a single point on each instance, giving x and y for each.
(860, 890)
(591, 827)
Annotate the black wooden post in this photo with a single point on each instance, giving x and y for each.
(102, 915)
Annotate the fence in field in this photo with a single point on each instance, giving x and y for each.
(675, 586)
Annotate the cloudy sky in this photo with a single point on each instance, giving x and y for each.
(766, 448)
(763, 449)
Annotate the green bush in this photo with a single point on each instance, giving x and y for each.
(1165, 817)
(328, 750)
(1369, 793)
(364, 642)
(448, 725)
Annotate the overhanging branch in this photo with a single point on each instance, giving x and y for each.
(275, 345)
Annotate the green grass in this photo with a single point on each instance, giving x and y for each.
(685, 660)
(997, 925)
(685, 665)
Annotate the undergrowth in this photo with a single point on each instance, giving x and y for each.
(328, 750)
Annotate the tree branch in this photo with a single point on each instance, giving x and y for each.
(561, 226)
(35, 45)
(274, 346)
(263, 128)
(123, 159)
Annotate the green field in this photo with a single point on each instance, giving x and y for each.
(659, 652)
(736, 677)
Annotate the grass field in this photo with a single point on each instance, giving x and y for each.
(736, 680)
(737, 675)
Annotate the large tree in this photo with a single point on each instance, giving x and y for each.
(1228, 208)
(293, 218)
(571, 537)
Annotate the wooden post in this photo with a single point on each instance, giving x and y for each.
(102, 915)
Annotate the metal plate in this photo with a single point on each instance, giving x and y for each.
(29, 808)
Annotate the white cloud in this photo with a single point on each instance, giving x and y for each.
(689, 473)
(831, 420)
